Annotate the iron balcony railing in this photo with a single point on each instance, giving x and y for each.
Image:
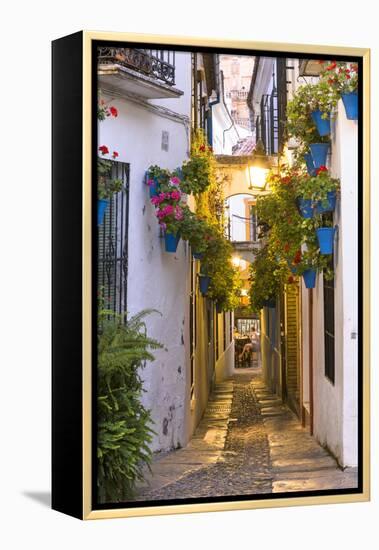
(158, 64)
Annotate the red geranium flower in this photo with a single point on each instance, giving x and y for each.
(202, 148)
(286, 179)
(332, 66)
(286, 247)
(297, 257)
(290, 280)
(115, 154)
(103, 149)
(322, 168)
(113, 111)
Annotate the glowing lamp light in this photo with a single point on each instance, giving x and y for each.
(236, 260)
(258, 177)
(259, 167)
(243, 292)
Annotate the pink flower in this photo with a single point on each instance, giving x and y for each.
(163, 226)
(162, 196)
(150, 182)
(174, 180)
(155, 201)
(168, 195)
(175, 195)
(160, 214)
(169, 209)
(178, 213)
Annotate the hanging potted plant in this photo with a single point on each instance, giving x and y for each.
(343, 79)
(107, 185)
(301, 126)
(196, 231)
(204, 282)
(322, 101)
(325, 232)
(198, 173)
(169, 211)
(317, 194)
(156, 177)
(304, 195)
(325, 190)
(224, 282)
(266, 278)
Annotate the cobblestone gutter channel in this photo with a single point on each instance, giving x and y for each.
(247, 443)
(240, 466)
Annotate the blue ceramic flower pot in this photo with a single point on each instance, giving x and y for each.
(154, 187)
(305, 207)
(198, 255)
(325, 237)
(350, 102)
(322, 124)
(171, 242)
(309, 277)
(101, 208)
(319, 153)
(204, 282)
(328, 205)
(218, 308)
(309, 163)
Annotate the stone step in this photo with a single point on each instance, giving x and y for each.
(304, 464)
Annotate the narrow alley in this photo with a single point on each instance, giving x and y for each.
(227, 276)
(248, 442)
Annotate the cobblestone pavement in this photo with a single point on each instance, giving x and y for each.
(247, 443)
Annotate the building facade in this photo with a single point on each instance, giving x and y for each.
(161, 97)
(309, 340)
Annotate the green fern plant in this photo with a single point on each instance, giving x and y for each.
(124, 425)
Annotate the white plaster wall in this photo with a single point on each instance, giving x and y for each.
(225, 133)
(346, 164)
(225, 364)
(156, 279)
(335, 406)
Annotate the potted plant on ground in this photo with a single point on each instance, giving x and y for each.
(343, 79)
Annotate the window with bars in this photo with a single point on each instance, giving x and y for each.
(329, 339)
(112, 264)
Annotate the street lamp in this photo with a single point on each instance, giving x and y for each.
(236, 260)
(259, 168)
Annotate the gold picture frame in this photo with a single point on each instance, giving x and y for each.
(83, 508)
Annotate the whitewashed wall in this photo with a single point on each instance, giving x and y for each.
(225, 133)
(157, 279)
(335, 405)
